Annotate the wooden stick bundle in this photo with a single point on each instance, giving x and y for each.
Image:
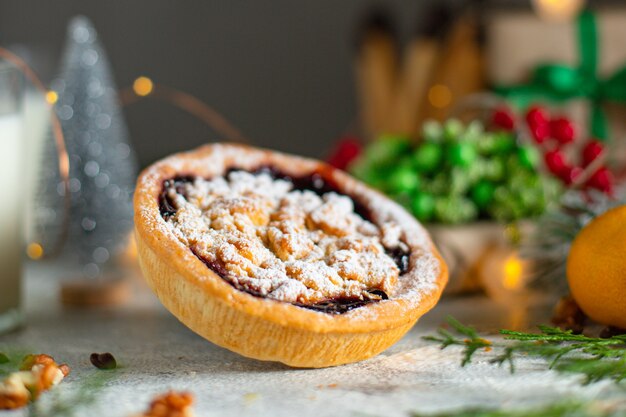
(396, 97)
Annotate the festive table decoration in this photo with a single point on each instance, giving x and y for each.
(561, 83)
(459, 173)
(102, 166)
(578, 162)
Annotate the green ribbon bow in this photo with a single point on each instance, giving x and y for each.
(559, 82)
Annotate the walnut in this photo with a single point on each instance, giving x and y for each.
(170, 404)
(37, 373)
(13, 392)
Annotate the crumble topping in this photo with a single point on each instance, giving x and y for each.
(268, 238)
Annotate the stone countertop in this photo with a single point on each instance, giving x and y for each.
(158, 353)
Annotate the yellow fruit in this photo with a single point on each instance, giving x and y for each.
(596, 268)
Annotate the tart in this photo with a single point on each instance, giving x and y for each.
(282, 258)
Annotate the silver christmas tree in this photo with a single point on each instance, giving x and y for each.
(102, 163)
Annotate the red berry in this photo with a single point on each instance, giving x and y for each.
(555, 161)
(603, 180)
(569, 174)
(591, 151)
(562, 130)
(345, 151)
(503, 118)
(536, 116)
(540, 132)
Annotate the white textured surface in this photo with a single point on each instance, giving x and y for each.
(159, 353)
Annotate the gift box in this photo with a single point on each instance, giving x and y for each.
(579, 65)
(517, 41)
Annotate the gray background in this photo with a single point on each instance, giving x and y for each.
(281, 71)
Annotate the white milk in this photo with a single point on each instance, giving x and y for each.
(12, 174)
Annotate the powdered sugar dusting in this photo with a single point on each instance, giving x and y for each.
(285, 244)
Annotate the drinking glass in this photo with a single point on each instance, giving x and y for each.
(11, 207)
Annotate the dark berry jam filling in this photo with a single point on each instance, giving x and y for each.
(166, 205)
(318, 182)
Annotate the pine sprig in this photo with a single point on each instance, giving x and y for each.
(596, 358)
(62, 401)
(10, 360)
(549, 245)
(560, 409)
(473, 342)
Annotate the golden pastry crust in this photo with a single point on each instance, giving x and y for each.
(263, 328)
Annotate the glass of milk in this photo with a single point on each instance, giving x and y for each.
(13, 173)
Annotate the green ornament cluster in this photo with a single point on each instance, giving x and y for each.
(459, 173)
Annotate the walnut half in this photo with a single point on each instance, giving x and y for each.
(37, 373)
(170, 404)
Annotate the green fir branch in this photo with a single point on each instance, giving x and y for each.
(560, 409)
(595, 358)
(63, 401)
(10, 360)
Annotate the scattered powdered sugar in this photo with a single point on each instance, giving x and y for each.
(285, 244)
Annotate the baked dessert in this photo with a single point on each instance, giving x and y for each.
(282, 258)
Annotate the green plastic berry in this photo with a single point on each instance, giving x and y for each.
(427, 157)
(423, 206)
(476, 171)
(494, 170)
(369, 173)
(444, 210)
(507, 205)
(474, 132)
(453, 129)
(467, 209)
(462, 154)
(529, 157)
(486, 145)
(530, 199)
(439, 184)
(386, 149)
(402, 180)
(459, 181)
(482, 194)
(504, 142)
(432, 131)
(454, 210)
